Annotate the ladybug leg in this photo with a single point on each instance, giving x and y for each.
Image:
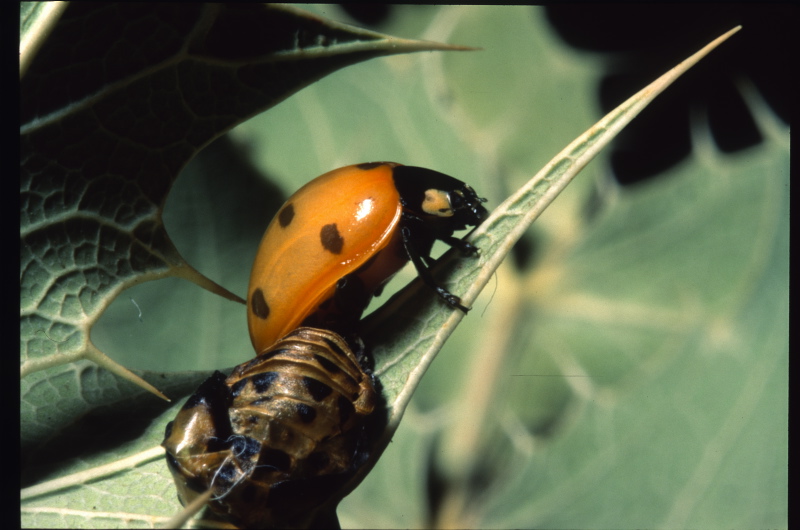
(468, 249)
(425, 273)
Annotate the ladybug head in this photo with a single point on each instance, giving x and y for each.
(431, 195)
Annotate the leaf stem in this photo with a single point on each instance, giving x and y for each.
(82, 477)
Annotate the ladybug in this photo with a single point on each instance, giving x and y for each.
(341, 237)
(279, 436)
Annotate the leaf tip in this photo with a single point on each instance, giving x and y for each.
(106, 362)
(187, 272)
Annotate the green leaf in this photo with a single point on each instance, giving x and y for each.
(575, 399)
(563, 370)
(409, 332)
(666, 329)
(116, 99)
(111, 114)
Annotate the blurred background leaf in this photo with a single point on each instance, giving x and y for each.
(629, 368)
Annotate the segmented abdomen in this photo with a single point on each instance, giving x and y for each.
(278, 434)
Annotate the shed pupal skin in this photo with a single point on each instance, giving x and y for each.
(276, 438)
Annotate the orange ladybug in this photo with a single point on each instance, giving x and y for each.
(341, 237)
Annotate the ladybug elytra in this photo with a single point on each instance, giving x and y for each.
(341, 237)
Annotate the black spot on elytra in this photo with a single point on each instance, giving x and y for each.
(305, 413)
(327, 364)
(262, 382)
(286, 215)
(275, 459)
(318, 390)
(330, 238)
(258, 304)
